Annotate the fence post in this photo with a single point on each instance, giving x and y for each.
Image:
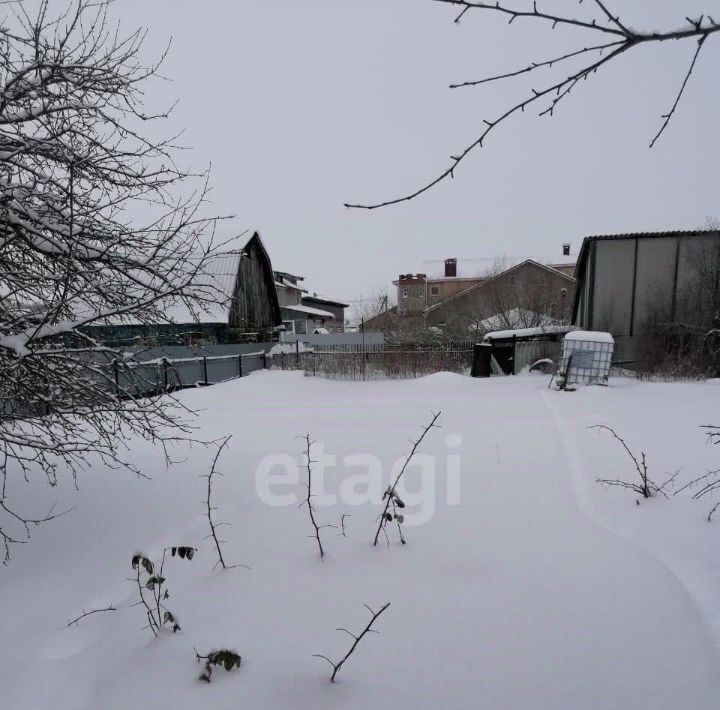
(566, 376)
(313, 361)
(164, 364)
(205, 370)
(116, 374)
(240, 373)
(265, 360)
(514, 349)
(297, 354)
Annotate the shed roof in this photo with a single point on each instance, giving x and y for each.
(529, 332)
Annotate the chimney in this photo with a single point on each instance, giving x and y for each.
(450, 267)
(566, 249)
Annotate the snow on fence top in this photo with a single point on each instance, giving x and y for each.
(590, 336)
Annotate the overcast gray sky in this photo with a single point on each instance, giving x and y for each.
(301, 105)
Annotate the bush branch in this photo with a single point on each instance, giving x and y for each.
(368, 629)
(391, 492)
(308, 500)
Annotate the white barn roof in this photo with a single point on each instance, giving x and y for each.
(217, 284)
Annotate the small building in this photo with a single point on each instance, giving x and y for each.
(631, 284)
(517, 348)
(301, 313)
(240, 305)
(337, 323)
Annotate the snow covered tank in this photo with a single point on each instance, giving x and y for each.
(586, 357)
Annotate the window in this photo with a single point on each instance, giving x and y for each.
(434, 290)
(405, 293)
(513, 281)
(542, 281)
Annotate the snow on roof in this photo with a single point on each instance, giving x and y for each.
(285, 283)
(309, 311)
(590, 336)
(529, 332)
(514, 318)
(217, 282)
(214, 286)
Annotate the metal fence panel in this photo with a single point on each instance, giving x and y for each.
(526, 353)
(223, 369)
(251, 363)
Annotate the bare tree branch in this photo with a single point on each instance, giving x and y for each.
(92, 611)
(210, 507)
(668, 116)
(308, 501)
(337, 666)
(620, 39)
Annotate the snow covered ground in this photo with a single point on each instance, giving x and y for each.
(530, 587)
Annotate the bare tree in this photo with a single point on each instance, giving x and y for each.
(613, 38)
(98, 224)
(380, 303)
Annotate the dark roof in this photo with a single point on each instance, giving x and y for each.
(321, 299)
(587, 241)
(646, 235)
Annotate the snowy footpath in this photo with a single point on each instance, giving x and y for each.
(528, 586)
